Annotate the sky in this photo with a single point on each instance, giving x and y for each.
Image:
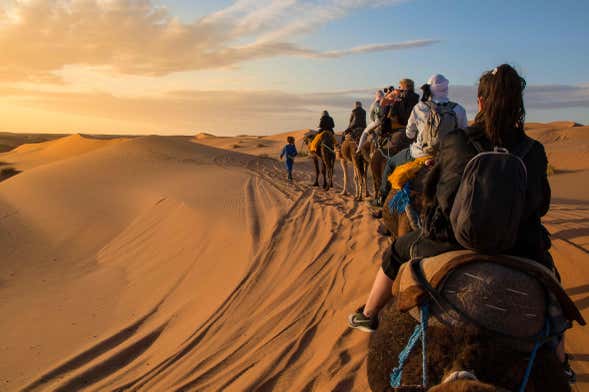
(266, 66)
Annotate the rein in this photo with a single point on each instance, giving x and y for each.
(326, 146)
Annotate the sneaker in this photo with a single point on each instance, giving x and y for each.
(359, 321)
(568, 370)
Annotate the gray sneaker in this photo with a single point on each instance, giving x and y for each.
(359, 321)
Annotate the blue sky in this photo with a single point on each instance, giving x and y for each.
(544, 39)
(276, 63)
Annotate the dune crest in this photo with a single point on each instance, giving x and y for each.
(27, 156)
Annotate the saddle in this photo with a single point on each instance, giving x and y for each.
(512, 297)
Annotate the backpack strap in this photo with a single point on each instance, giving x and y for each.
(523, 148)
(475, 143)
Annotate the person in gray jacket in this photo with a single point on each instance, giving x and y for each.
(376, 117)
(435, 93)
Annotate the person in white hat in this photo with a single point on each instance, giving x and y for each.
(434, 100)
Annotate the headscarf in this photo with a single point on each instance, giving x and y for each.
(438, 85)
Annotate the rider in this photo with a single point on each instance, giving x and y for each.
(357, 119)
(376, 116)
(326, 123)
(436, 91)
(326, 126)
(400, 103)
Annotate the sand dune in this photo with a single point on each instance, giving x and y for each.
(182, 263)
(265, 146)
(9, 141)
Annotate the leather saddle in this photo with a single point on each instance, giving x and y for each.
(509, 296)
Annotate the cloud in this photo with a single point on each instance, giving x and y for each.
(231, 112)
(40, 37)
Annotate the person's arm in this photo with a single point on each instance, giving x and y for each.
(546, 192)
(411, 129)
(455, 152)
(294, 151)
(283, 152)
(372, 112)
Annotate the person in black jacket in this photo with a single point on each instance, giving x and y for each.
(326, 123)
(500, 122)
(357, 121)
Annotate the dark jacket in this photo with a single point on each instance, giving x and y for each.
(357, 119)
(402, 107)
(397, 112)
(443, 181)
(326, 123)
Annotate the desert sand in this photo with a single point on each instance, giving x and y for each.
(187, 263)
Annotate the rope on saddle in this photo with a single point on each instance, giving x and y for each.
(380, 142)
(386, 156)
(420, 331)
(539, 342)
(401, 200)
(329, 148)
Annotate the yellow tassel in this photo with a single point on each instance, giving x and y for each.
(315, 142)
(406, 172)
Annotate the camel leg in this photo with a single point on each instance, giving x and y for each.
(365, 179)
(332, 164)
(345, 169)
(380, 294)
(357, 184)
(324, 174)
(316, 162)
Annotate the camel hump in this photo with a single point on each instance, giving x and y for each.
(503, 294)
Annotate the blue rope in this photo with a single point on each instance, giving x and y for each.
(418, 332)
(424, 322)
(537, 346)
(401, 199)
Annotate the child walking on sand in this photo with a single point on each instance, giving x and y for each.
(289, 152)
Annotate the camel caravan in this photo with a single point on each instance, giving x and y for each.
(467, 297)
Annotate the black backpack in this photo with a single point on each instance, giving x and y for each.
(491, 198)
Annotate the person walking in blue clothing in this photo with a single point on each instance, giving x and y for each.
(289, 152)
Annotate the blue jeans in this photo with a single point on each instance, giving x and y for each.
(398, 159)
(289, 166)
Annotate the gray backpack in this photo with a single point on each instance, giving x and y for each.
(440, 121)
(491, 198)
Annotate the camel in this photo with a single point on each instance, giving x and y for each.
(347, 154)
(380, 150)
(398, 224)
(497, 365)
(326, 154)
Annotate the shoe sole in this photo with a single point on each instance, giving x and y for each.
(359, 327)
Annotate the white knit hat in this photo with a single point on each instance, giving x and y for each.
(438, 86)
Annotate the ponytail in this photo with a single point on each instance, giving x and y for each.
(427, 92)
(503, 112)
